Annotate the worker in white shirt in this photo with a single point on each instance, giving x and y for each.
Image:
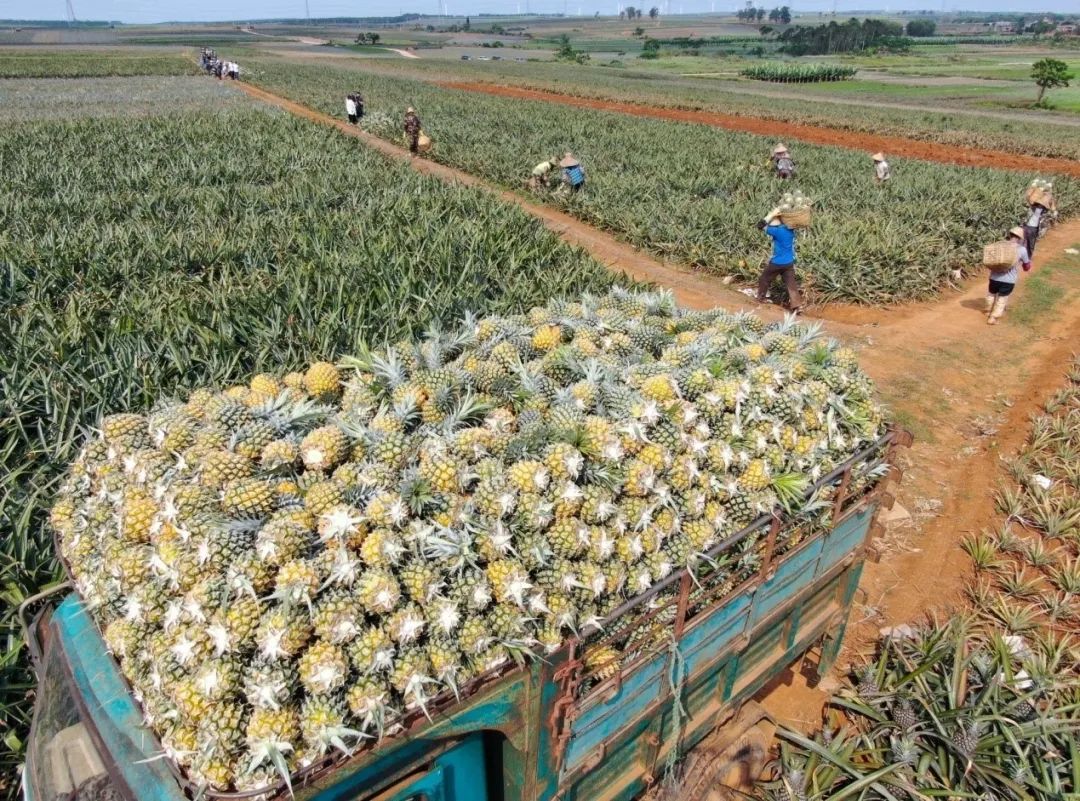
(882, 171)
(350, 109)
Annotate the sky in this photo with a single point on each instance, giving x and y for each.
(144, 11)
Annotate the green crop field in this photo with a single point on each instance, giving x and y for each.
(692, 193)
(83, 64)
(143, 256)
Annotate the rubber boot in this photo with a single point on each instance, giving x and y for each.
(999, 309)
(988, 304)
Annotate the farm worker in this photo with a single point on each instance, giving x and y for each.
(350, 108)
(541, 172)
(782, 263)
(1003, 283)
(573, 172)
(234, 70)
(882, 172)
(359, 100)
(412, 130)
(1033, 225)
(785, 165)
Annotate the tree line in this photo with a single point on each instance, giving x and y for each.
(851, 36)
(780, 14)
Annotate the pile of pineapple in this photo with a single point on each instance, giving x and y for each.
(285, 569)
(794, 201)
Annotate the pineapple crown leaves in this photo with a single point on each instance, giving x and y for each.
(285, 413)
(790, 489)
(388, 367)
(454, 546)
(469, 410)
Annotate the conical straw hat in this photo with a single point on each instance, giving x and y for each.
(878, 157)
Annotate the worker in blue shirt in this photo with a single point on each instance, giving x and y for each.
(782, 263)
(573, 172)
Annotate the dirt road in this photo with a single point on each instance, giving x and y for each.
(894, 145)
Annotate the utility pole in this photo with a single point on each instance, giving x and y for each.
(307, 11)
(70, 12)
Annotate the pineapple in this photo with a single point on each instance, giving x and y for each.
(322, 380)
(324, 448)
(323, 667)
(248, 498)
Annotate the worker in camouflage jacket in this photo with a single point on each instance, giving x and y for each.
(412, 130)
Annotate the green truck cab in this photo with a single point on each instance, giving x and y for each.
(555, 729)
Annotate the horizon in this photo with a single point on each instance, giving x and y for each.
(133, 12)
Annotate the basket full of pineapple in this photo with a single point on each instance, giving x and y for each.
(290, 568)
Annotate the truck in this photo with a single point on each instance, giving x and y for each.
(694, 649)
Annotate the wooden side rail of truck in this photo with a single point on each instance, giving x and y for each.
(693, 650)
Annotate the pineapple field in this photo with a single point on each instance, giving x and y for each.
(868, 245)
(143, 257)
(329, 447)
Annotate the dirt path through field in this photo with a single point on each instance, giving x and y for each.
(966, 390)
(894, 145)
(694, 290)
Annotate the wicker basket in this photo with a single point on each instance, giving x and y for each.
(1039, 195)
(1000, 256)
(423, 142)
(797, 218)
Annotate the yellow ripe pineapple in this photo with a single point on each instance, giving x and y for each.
(640, 479)
(655, 456)
(294, 380)
(248, 498)
(221, 467)
(137, 518)
(528, 475)
(387, 510)
(266, 386)
(322, 495)
(755, 352)
(755, 477)
(323, 667)
(602, 661)
(659, 388)
(546, 337)
(563, 461)
(279, 455)
(125, 431)
(324, 448)
(441, 470)
(323, 380)
(252, 437)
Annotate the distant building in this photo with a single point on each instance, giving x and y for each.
(1004, 27)
(1068, 29)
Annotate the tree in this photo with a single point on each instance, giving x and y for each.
(785, 15)
(1050, 73)
(760, 14)
(639, 31)
(1042, 26)
(654, 12)
(468, 23)
(630, 12)
(765, 30)
(774, 15)
(921, 27)
(374, 37)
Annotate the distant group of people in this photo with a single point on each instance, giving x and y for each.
(218, 67)
(354, 107)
